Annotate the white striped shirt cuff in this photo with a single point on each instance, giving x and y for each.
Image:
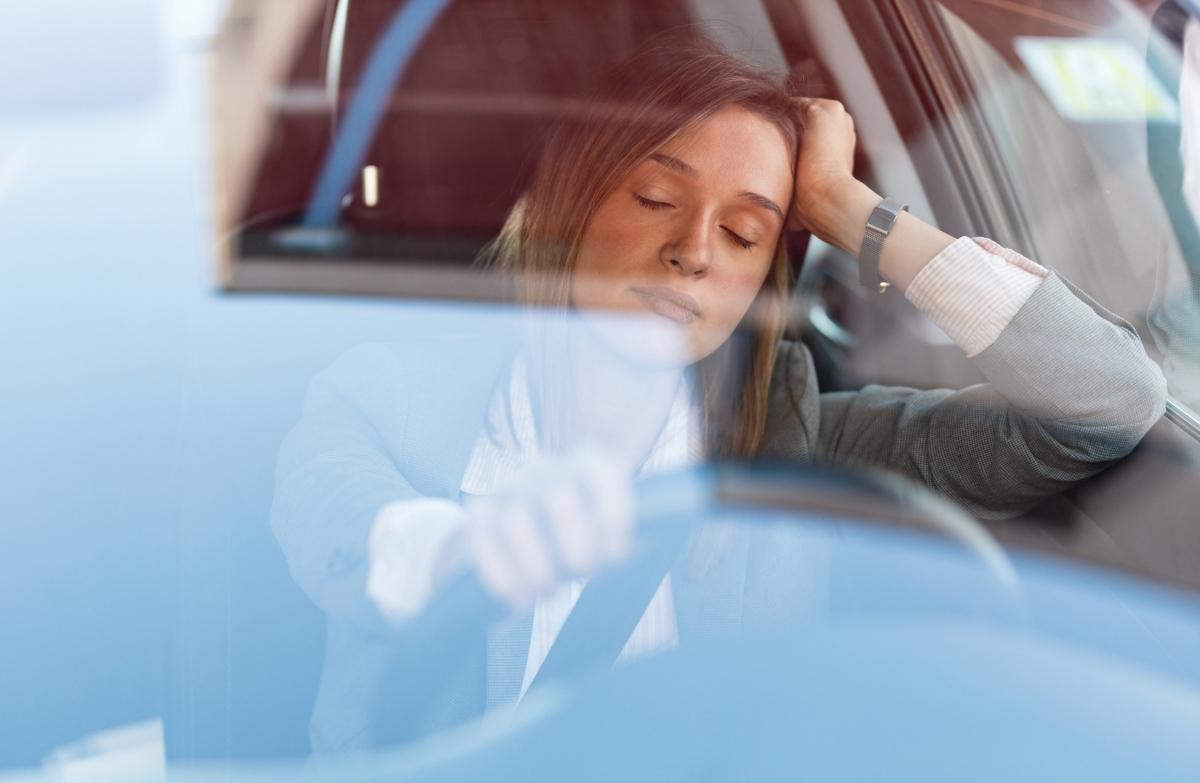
(972, 289)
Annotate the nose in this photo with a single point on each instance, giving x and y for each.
(689, 252)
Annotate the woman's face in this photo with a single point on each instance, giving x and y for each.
(689, 236)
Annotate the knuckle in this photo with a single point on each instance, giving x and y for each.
(575, 538)
(562, 511)
(578, 557)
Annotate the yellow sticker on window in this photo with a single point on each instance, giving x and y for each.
(1096, 80)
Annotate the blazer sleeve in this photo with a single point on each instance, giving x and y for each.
(334, 473)
(1069, 393)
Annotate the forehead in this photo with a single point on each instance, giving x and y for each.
(737, 150)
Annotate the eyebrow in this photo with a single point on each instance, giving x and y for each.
(677, 165)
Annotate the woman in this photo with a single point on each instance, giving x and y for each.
(668, 198)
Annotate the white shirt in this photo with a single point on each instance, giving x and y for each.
(971, 290)
(507, 445)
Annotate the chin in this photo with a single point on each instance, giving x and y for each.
(643, 338)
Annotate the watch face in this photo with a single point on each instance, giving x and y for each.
(883, 217)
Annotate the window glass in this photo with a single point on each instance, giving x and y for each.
(1082, 101)
(457, 136)
(191, 478)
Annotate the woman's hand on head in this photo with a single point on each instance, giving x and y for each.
(825, 163)
(561, 519)
(829, 201)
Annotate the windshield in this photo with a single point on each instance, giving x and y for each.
(641, 388)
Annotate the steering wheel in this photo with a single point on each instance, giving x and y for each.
(448, 639)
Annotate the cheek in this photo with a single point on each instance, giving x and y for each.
(739, 286)
(611, 241)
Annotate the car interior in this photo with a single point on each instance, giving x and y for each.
(463, 125)
(950, 116)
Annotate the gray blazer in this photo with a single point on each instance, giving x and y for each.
(1070, 391)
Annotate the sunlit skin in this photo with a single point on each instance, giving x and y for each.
(700, 218)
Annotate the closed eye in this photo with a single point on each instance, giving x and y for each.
(738, 239)
(649, 203)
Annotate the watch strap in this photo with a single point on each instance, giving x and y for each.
(879, 226)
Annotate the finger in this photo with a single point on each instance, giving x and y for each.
(807, 107)
(576, 533)
(823, 105)
(609, 492)
(496, 573)
(527, 546)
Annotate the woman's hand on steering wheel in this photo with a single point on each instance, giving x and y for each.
(560, 519)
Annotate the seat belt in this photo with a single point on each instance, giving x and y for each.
(610, 608)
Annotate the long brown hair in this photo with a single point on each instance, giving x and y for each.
(662, 91)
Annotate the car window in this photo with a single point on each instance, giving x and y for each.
(455, 140)
(1084, 104)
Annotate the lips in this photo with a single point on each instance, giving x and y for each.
(669, 303)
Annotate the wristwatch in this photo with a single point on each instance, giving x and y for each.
(879, 225)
